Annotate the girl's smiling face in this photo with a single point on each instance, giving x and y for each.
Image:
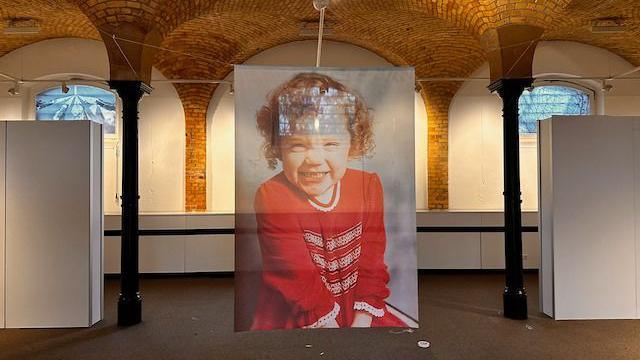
(315, 162)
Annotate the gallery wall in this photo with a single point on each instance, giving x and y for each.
(220, 117)
(161, 125)
(475, 125)
(475, 122)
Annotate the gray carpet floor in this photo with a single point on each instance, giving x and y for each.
(192, 318)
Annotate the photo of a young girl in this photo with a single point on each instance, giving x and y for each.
(319, 222)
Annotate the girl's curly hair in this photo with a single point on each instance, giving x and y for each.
(360, 121)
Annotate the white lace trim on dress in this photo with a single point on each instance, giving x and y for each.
(322, 322)
(363, 306)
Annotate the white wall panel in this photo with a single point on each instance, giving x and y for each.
(112, 248)
(492, 250)
(49, 224)
(593, 230)
(204, 253)
(446, 218)
(211, 253)
(96, 257)
(162, 254)
(210, 221)
(3, 142)
(448, 250)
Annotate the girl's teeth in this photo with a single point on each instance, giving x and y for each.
(314, 175)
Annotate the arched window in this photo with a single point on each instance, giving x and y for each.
(545, 101)
(80, 102)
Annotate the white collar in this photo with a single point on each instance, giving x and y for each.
(326, 208)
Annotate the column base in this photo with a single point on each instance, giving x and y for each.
(515, 304)
(129, 310)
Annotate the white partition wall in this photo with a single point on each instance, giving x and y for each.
(53, 217)
(589, 176)
(3, 143)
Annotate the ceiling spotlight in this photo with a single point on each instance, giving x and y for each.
(606, 87)
(609, 25)
(15, 90)
(64, 87)
(21, 26)
(230, 88)
(321, 4)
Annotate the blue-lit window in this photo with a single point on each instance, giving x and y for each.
(81, 102)
(545, 101)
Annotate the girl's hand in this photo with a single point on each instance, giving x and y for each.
(332, 324)
(361, 319)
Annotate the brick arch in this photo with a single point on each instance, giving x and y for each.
(529, 12)
(575, 21)
(57, 19)
(117, 12)
(472, 16)
(433, 46)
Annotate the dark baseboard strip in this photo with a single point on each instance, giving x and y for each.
(212, 274)
(468, 271)
(469, 229)
(231, 231)
(174, 232)
(230, 274)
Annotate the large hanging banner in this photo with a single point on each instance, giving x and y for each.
(325, 198)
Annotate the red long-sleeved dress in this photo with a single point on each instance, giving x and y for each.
(322, 262)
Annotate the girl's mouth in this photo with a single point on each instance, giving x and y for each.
(312, 175)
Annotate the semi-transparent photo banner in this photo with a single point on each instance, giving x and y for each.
(325, 198)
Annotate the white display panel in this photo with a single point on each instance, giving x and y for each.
(588, 180)
(53, 224)
(3, 132)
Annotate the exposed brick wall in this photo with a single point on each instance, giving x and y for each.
(57, 19)
(440, 38)
(437, 97)
(195, 101)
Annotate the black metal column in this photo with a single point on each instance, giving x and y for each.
(515, 295)
(130, 301)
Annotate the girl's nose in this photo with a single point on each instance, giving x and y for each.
(314, 156)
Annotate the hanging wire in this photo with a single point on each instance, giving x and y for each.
(520, 57)
(320, 33)
(166, 49)
(321, 5)
(125, 56)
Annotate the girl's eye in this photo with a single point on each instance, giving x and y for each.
(297, 147)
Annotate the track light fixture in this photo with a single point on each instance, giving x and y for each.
(321, 4)
(15, 90)
(64, 87)
(230, 88)
(606, 87)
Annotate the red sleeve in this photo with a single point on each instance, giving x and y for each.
(287, 266)
(373, 276)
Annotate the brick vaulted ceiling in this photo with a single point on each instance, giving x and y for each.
(200, 39)
(439, 37)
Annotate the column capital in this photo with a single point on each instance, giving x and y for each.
(510, 88)
(510, 50)
(130, 88)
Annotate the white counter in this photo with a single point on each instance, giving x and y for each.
(215, 253)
